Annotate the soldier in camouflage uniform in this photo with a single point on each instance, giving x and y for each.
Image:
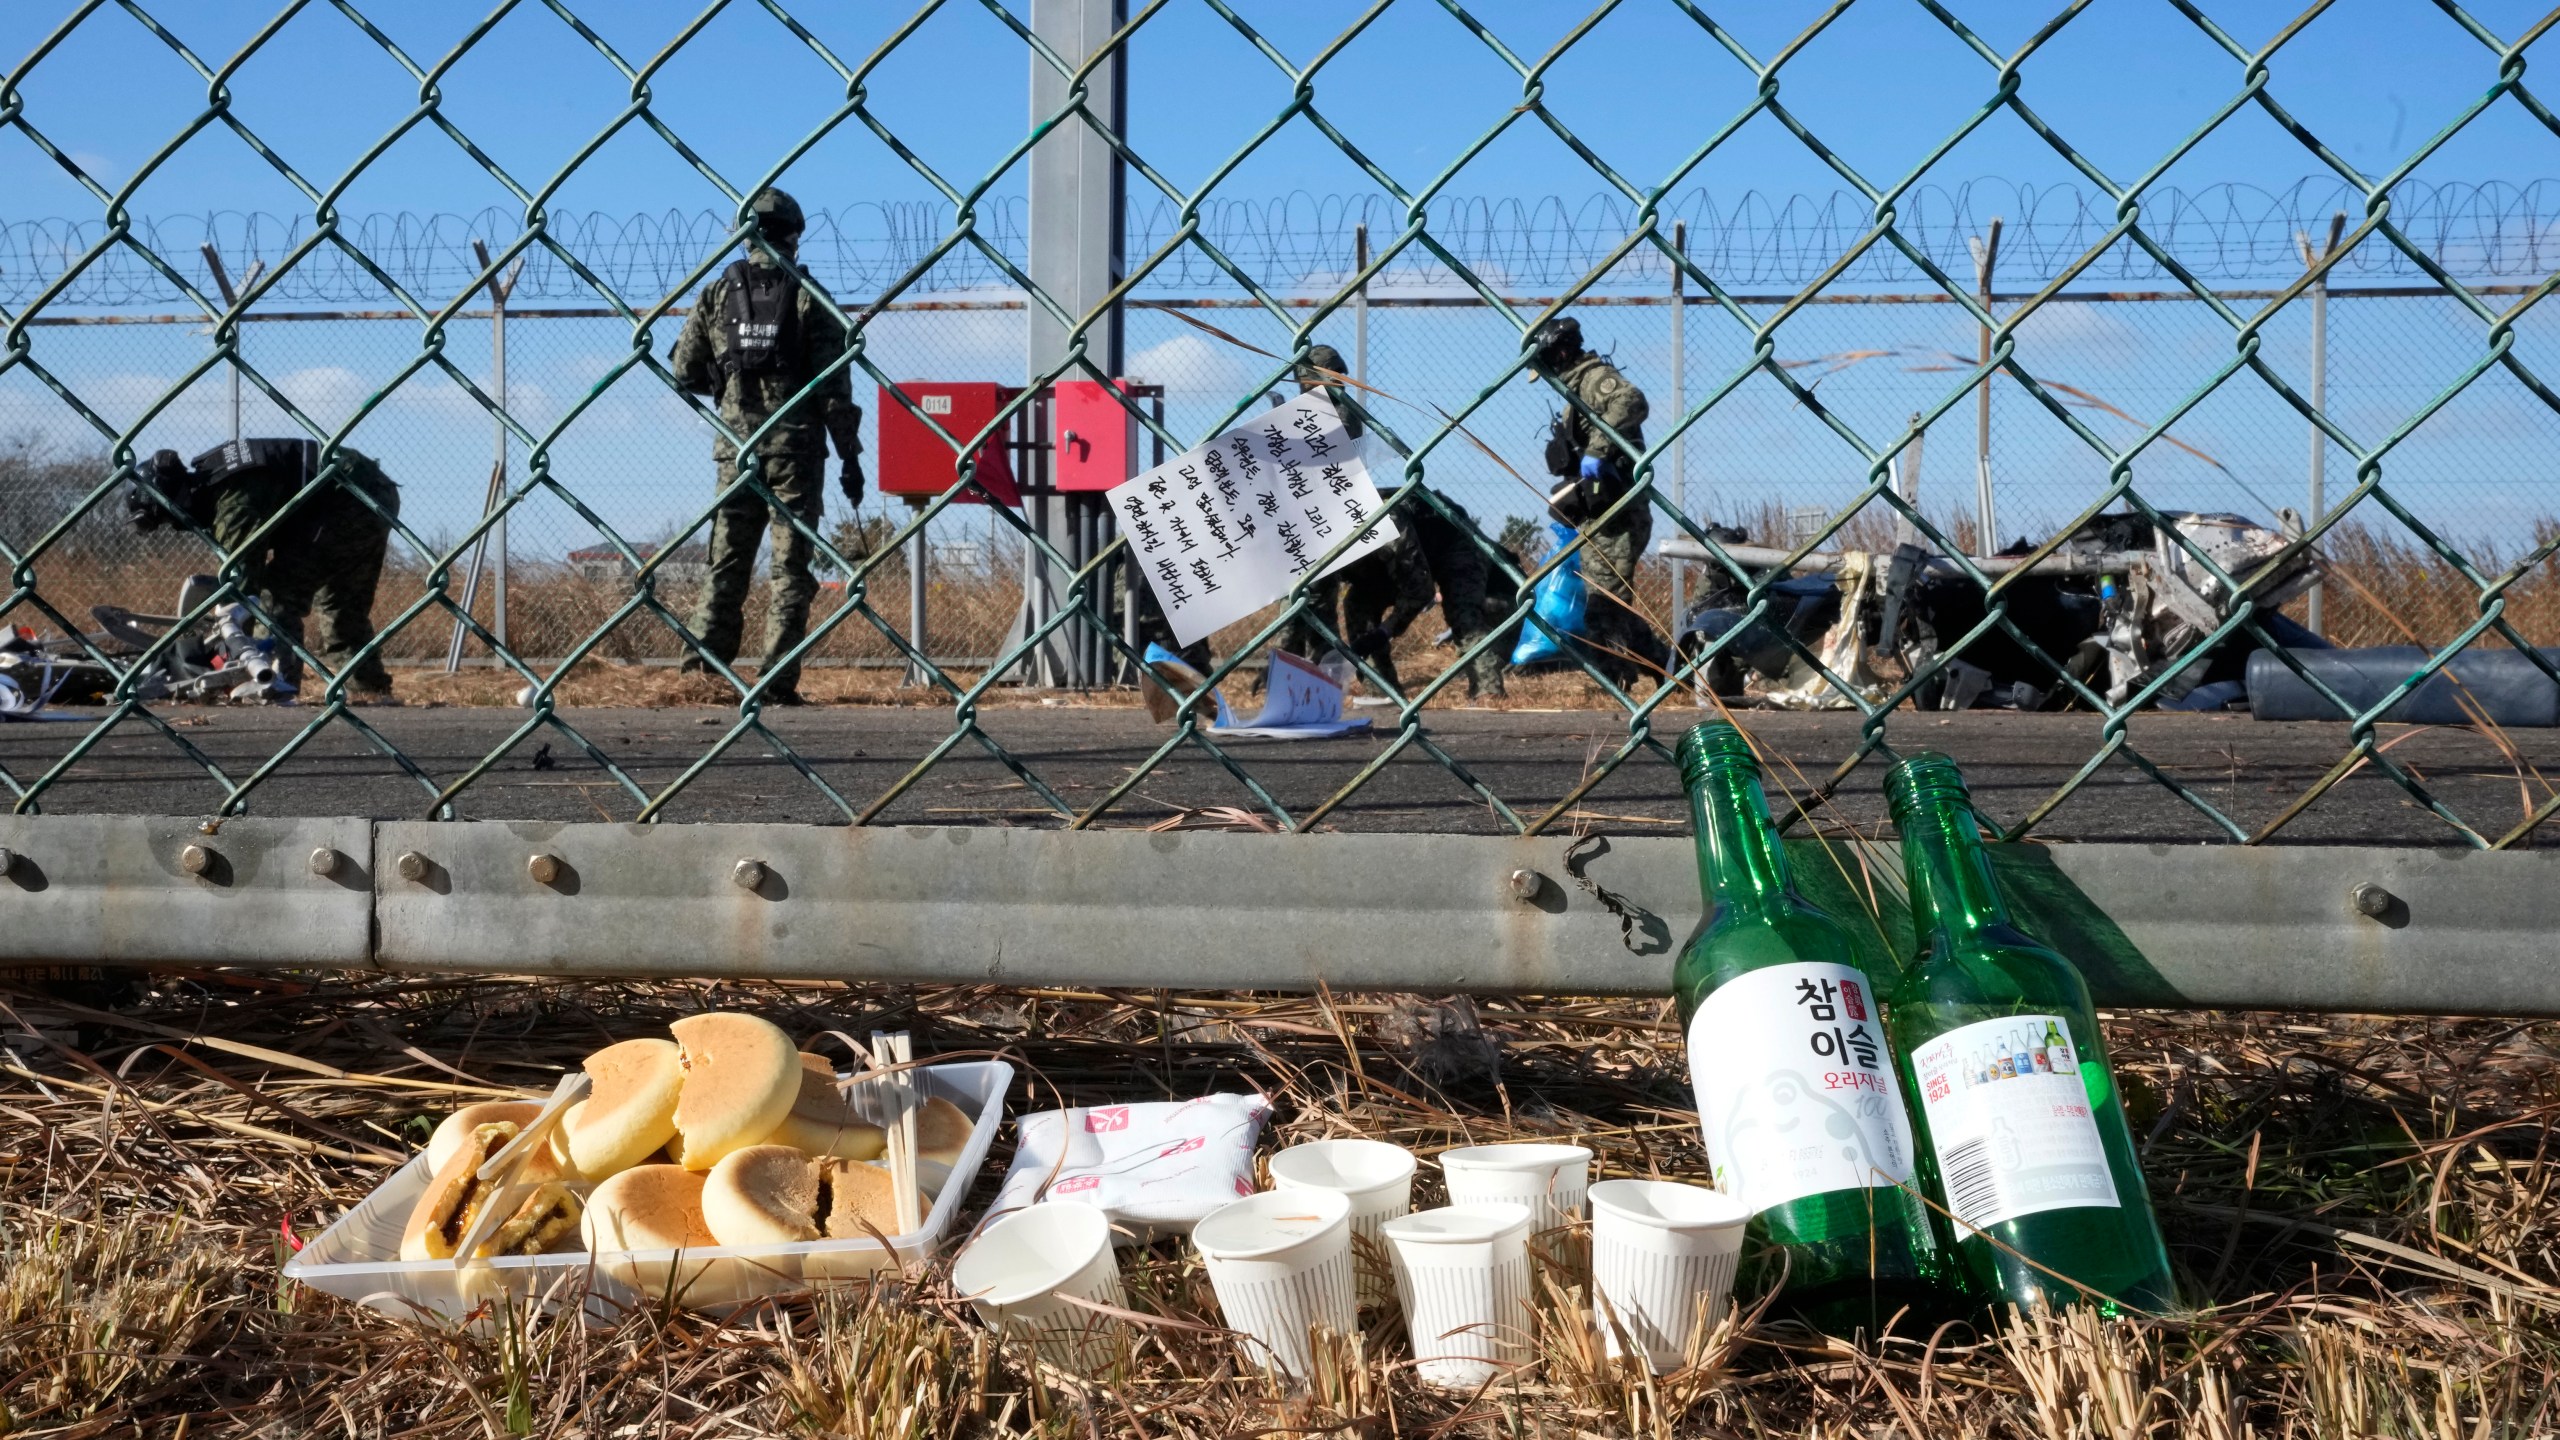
(1594, 473)
(761, 331)
(324, 557)
(1449, 558)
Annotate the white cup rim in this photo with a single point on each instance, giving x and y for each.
(1668, 1205)
(1470, 1224)
(1519, 1155)
(1334, 1210)
(1046, 1212)
(1314, 1151)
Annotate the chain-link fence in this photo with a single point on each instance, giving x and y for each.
(1846, 380)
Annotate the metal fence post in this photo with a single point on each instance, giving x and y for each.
(917, 672)
(1076, 237)
(1360, 304)
(2318, 500)
(499, 287)
(1986, 539)
(1679, 408)
(231, 300)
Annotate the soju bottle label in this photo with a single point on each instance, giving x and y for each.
(1795, 1087)
(2009, 1118)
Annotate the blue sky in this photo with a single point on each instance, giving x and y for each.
(2125, 81)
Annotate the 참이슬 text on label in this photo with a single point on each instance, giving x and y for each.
(2011, 1121)
(1225, 529)
(1795, 1085)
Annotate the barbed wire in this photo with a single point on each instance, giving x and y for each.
(2227, 233)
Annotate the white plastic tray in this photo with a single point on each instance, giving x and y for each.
(358, 1257)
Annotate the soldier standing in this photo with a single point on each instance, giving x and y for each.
(1447, 552)
(1594, 474)
(323, 557)
(760, 333)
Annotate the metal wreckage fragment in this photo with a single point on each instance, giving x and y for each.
(2119, 603)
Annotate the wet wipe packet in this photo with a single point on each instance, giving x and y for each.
(1156, 1168)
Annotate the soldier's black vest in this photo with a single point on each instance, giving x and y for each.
(298, 461)
(761, 317)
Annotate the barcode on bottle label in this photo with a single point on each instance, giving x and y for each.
(1971, 1187)
(1795, 1085)
(2010, 1121)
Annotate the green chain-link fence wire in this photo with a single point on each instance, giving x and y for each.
(1444, 431)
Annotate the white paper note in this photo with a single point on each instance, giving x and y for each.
(1223, 530)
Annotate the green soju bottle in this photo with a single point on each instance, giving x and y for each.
(2035, 1164)
(1804, 1116)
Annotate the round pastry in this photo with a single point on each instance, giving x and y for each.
(630, 1109)
(543, 1213)
(822, 1122)
(647, 1207)
(457, 1127)
(741, 1077)
(774, 1195)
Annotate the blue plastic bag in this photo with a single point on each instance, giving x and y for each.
(1562, 601)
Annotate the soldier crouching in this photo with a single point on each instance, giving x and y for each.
(322, 560)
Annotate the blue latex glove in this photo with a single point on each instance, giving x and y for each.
(1590, 467)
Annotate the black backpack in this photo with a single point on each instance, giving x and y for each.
(761, 314)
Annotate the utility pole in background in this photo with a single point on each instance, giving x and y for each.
(1076, 237)
(231, 301)
(500, 286)
(2318, 508)
(1986, 534)
(1360, 304)
(1679, 408)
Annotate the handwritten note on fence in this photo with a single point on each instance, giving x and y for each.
(1223, 530)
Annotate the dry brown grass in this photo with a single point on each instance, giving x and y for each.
(2364, 1210)
(2386, 590)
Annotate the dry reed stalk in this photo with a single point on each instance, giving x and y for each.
(2395, 1241)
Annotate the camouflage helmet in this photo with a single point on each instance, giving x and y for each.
(1556, 340)
(1321, 358)
(777, 214)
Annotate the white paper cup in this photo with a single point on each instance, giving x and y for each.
(1376, 1177)
(1662, 1258)
(1549, 1179)
(1464, 1275)
(1281, 1264)
(1020, 1269)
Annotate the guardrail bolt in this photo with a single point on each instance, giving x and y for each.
(326, 860)
(195, 859)
(8, 860)
(543, 868)
(2371, 899)
(748, 874)
(413, 866)
(1525, 884)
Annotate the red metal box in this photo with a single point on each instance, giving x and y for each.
(915, 461)
(1097, 436)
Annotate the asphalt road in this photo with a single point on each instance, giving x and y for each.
(2250, 770)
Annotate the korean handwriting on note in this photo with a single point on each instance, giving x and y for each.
(1223, 530)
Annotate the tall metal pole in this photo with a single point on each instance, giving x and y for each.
(498, 471)
(1986, 536)
(1679, 409)
(916, 579)
(1360, 304)
(1906, 474)
(231, 300)
(1076, 234)
(500, 286)
(2318, 506)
